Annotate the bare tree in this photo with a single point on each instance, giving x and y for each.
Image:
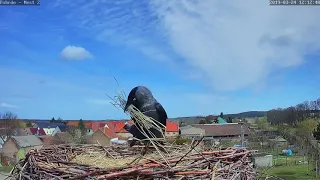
(8, 123)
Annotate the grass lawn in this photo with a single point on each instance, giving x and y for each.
(283, 160)
(295, 172)
(6, 169)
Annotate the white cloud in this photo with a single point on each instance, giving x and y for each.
(227, 44)
(75, 53)
(124, 23)
(238, 43)
(7, 105)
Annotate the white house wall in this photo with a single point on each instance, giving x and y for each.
(48, 131)
(56, 130)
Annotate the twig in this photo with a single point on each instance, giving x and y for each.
(189, 151)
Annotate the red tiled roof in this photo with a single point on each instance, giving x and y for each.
(72, 123)
(109, 131)
(34, 131)
(87, 124)
(120, 125)
(95, 126)
(230, 129)
(172, 127)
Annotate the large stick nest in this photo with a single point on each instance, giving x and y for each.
(114, 162)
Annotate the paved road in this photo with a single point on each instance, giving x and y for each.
(3, 176)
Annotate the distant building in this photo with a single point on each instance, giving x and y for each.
(172, 130)
(263, 160)
(62, 138)
(279, 142)
(50, 127)
(120, 131)
(58, 138)
(223, 131)
(38, 131)
(191, 132)
(100, 137)
(55, 131)
(16, 147)
(90, 125)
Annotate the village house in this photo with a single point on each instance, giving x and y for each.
(59, 129)
(172, 130)
(49, 127)
(190, 132)
(58, 138)
(279, 142)
(120, 131)
(62, 138)
(47, 140)
(223, 131)
(37, 131)
(101, 137)
(90, 125)
(16, 147)
(15, 132)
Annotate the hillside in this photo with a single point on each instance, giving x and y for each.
(248, 114)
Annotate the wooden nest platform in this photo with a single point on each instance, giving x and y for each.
(117, 162)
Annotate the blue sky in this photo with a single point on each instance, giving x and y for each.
(197, 57)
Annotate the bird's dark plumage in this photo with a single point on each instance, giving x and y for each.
(142, 98)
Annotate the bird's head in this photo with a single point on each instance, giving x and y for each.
(138, 97)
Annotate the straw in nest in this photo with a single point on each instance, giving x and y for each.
(142, 122)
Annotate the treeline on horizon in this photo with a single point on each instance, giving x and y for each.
(295, 114)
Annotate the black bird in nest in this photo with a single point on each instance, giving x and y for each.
(142, 98)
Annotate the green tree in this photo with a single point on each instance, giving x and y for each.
(216, 121)
(307, 126)
(316, 132)
(29, 124)
(221, 114)
(229, 120)
(262, 123)
(82, 127)
(208, 120)
(53, 120)
(202, 121)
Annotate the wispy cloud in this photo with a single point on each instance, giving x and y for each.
(7, 105)
(231, 44)
(75, 53)
(237, 44)
(125, 23)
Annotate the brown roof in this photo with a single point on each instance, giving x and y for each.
(230, 129)
(62, 137)
(47, 140)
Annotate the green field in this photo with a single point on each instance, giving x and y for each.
(290, 173)
(6, 169)
(286, 168)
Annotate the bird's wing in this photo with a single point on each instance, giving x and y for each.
(162, 114)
